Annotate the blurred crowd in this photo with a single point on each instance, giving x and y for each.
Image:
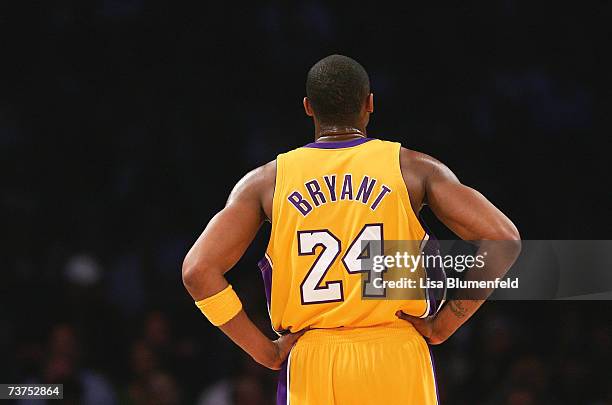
(513, 353)
(125, 124)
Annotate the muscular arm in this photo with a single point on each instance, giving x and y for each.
(218, 249)
(472, 217)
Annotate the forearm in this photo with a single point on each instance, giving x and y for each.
(498, 258)
(240, 329)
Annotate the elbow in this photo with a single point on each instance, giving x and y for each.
(190, 272)
(199, 277)
(515, 246)
(513, 235)
(511, 239)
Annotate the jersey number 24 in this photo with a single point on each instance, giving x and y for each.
(312, 292)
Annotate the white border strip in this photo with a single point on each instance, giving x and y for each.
(288, 374)
(422, 247)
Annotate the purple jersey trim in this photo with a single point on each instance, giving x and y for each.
(266, 274)
(433, 369)
(435, 296)
(338, 145)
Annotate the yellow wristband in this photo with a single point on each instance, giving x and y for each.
(221, 307)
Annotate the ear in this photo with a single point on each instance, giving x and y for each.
(370, 103)
(308, 107)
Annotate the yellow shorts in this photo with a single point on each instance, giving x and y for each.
(384, 365)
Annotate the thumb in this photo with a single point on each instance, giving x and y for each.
(286, 343)
(406, 317)
(293, 337)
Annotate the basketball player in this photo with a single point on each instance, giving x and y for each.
(323, 200)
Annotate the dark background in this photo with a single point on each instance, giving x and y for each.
(124, 124)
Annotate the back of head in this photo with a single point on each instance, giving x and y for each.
(337, 88)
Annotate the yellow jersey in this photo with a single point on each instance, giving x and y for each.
(336, 204)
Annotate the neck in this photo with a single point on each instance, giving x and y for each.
(331, 133)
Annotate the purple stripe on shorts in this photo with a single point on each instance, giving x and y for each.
(266, 273)
(338, 145)
(281, 389)
(433, 368)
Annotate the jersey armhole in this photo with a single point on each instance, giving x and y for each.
(405, 193)
(278, 187)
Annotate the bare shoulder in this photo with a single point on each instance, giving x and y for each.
(418, 171)
(421, 165)
(269, 172)
(418, 162)
(257, 186)
(255, 180)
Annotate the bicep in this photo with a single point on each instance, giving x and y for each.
(227, 236)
